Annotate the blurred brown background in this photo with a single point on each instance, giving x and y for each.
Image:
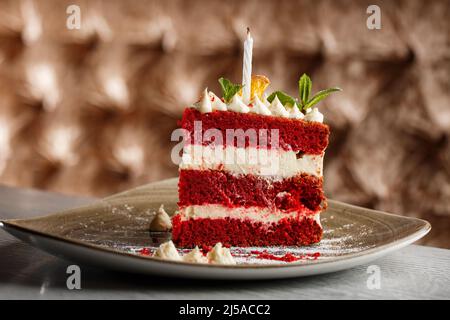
(91, 111)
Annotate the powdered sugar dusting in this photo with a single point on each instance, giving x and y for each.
(126, 229)
(328, 248)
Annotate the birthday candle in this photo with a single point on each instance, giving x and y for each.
(247, 68)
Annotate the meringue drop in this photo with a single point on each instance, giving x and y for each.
(295, 113)
(220, 255)
(195, 256)
(216, 103)
(204, 106)
(278, 109)
(237, 105)
(314, 115)
(259, 107)
(167, 251)
(161, 221)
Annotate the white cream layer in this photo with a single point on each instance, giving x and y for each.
(261, 162)
(256, 214)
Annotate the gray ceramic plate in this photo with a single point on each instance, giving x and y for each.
(111, 233)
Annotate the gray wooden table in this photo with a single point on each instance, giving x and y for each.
(415, 272)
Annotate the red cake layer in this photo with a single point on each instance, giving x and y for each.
(297, 135)
(244, 233)
(199, 187)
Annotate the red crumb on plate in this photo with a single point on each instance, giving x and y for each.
(288, 257)
(144, 251)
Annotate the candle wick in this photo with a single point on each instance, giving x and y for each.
(248, 30)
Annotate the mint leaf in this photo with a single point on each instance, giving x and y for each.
(304, 88)
(283, 97)
(319, 96)
(229, 89)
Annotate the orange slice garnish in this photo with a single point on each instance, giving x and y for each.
(258, 86)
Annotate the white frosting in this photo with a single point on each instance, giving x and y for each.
(277, 108)
(216, 102)
(264, 99)
(295, 113)
(195, 256)
(210, 102)
(220, 255)
(204, 105)
(314, 115)
(167, 251)
(237, 105)
(255, 214)
(259, 107)
(270, 162)
(161, 222)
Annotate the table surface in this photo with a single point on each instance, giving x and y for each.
(414, 272)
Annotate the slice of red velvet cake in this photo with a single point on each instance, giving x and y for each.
(251, 173)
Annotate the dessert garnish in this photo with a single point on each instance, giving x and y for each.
(304, 88)
(220, 255)
(277, 108)
(259, 107)
(229, 89)
(167, 251)
(161, 221)
(237, 105)
(195, 256)
(258, 86)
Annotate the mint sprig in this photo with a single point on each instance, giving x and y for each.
(229, 89)
(305, 87)
(284, 98)
(304, 91)
(319, 96)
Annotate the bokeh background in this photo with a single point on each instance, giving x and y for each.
(91, 111)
